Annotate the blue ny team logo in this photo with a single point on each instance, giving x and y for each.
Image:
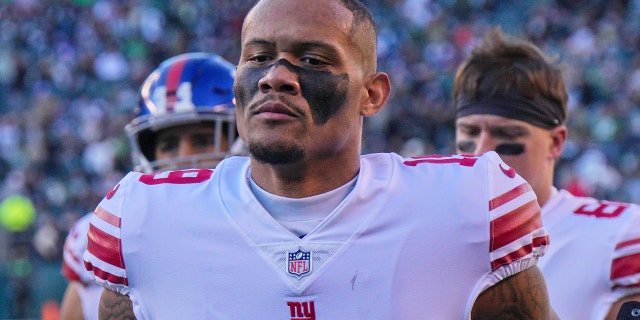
(299, 263)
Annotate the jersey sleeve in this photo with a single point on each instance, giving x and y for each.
(73, 250)
(625, 266)
(104, 256)
(517, 235)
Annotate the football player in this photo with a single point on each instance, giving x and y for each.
(307, 227)
(511, 98)
(185, 119)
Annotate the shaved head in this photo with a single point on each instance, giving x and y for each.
(362, 30)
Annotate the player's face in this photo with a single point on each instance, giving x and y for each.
(187, 142)
(299, 81)
(530, 150)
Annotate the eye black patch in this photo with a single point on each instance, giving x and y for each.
(324, 91)
(467, 146)
(510, 149)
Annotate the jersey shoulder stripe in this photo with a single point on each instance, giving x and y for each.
(625, 267)
(625, 271)
(104, 250)
(516, 229)
(108, 278)
(627, 243)
(509, 195)
(74, 247)
(516, 224)
(107, 217)
(104, 257)
(515, 221)
(70, 274)
(105, 247)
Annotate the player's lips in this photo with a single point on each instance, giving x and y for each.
(274, 111)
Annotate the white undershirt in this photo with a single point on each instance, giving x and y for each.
(301, 215)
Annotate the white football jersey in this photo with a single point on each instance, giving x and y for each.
(75, 244)
(594, 256)
(415, 238)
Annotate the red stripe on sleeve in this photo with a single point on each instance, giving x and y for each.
(509, 195)
(105, 247)
(627, 243)
(521, 252)
(513, 256)
(69, 274)
(625, 266)
(71, 253)
(107, 217)
(106, 275)
(515, 224)
(541, 241)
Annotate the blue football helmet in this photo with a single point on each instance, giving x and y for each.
(186, 89)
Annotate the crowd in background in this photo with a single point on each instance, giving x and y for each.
(70, 71)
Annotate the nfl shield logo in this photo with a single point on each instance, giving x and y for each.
(299, 263)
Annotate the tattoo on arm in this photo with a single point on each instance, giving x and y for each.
(115, 306)
(521, 296)
(615, 308)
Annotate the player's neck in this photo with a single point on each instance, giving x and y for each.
(304, 180)
(543, 193)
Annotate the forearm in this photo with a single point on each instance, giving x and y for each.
(521, 296)
(115, 306)
(71, 306)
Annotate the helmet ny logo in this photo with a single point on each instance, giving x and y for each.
(179, 100)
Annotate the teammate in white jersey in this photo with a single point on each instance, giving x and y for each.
(306, 227)
(510, 98)
(81, 298)
(185, 119)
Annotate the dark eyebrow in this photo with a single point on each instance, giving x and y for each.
(515, 129)
(258, 42)
(315, 44)
(299, 46)
(463, 125)
(509, 131)
(169, 137)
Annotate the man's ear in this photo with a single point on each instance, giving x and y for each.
(378, 88)
(558, 138)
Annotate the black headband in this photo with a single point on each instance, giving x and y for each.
(539, 112)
